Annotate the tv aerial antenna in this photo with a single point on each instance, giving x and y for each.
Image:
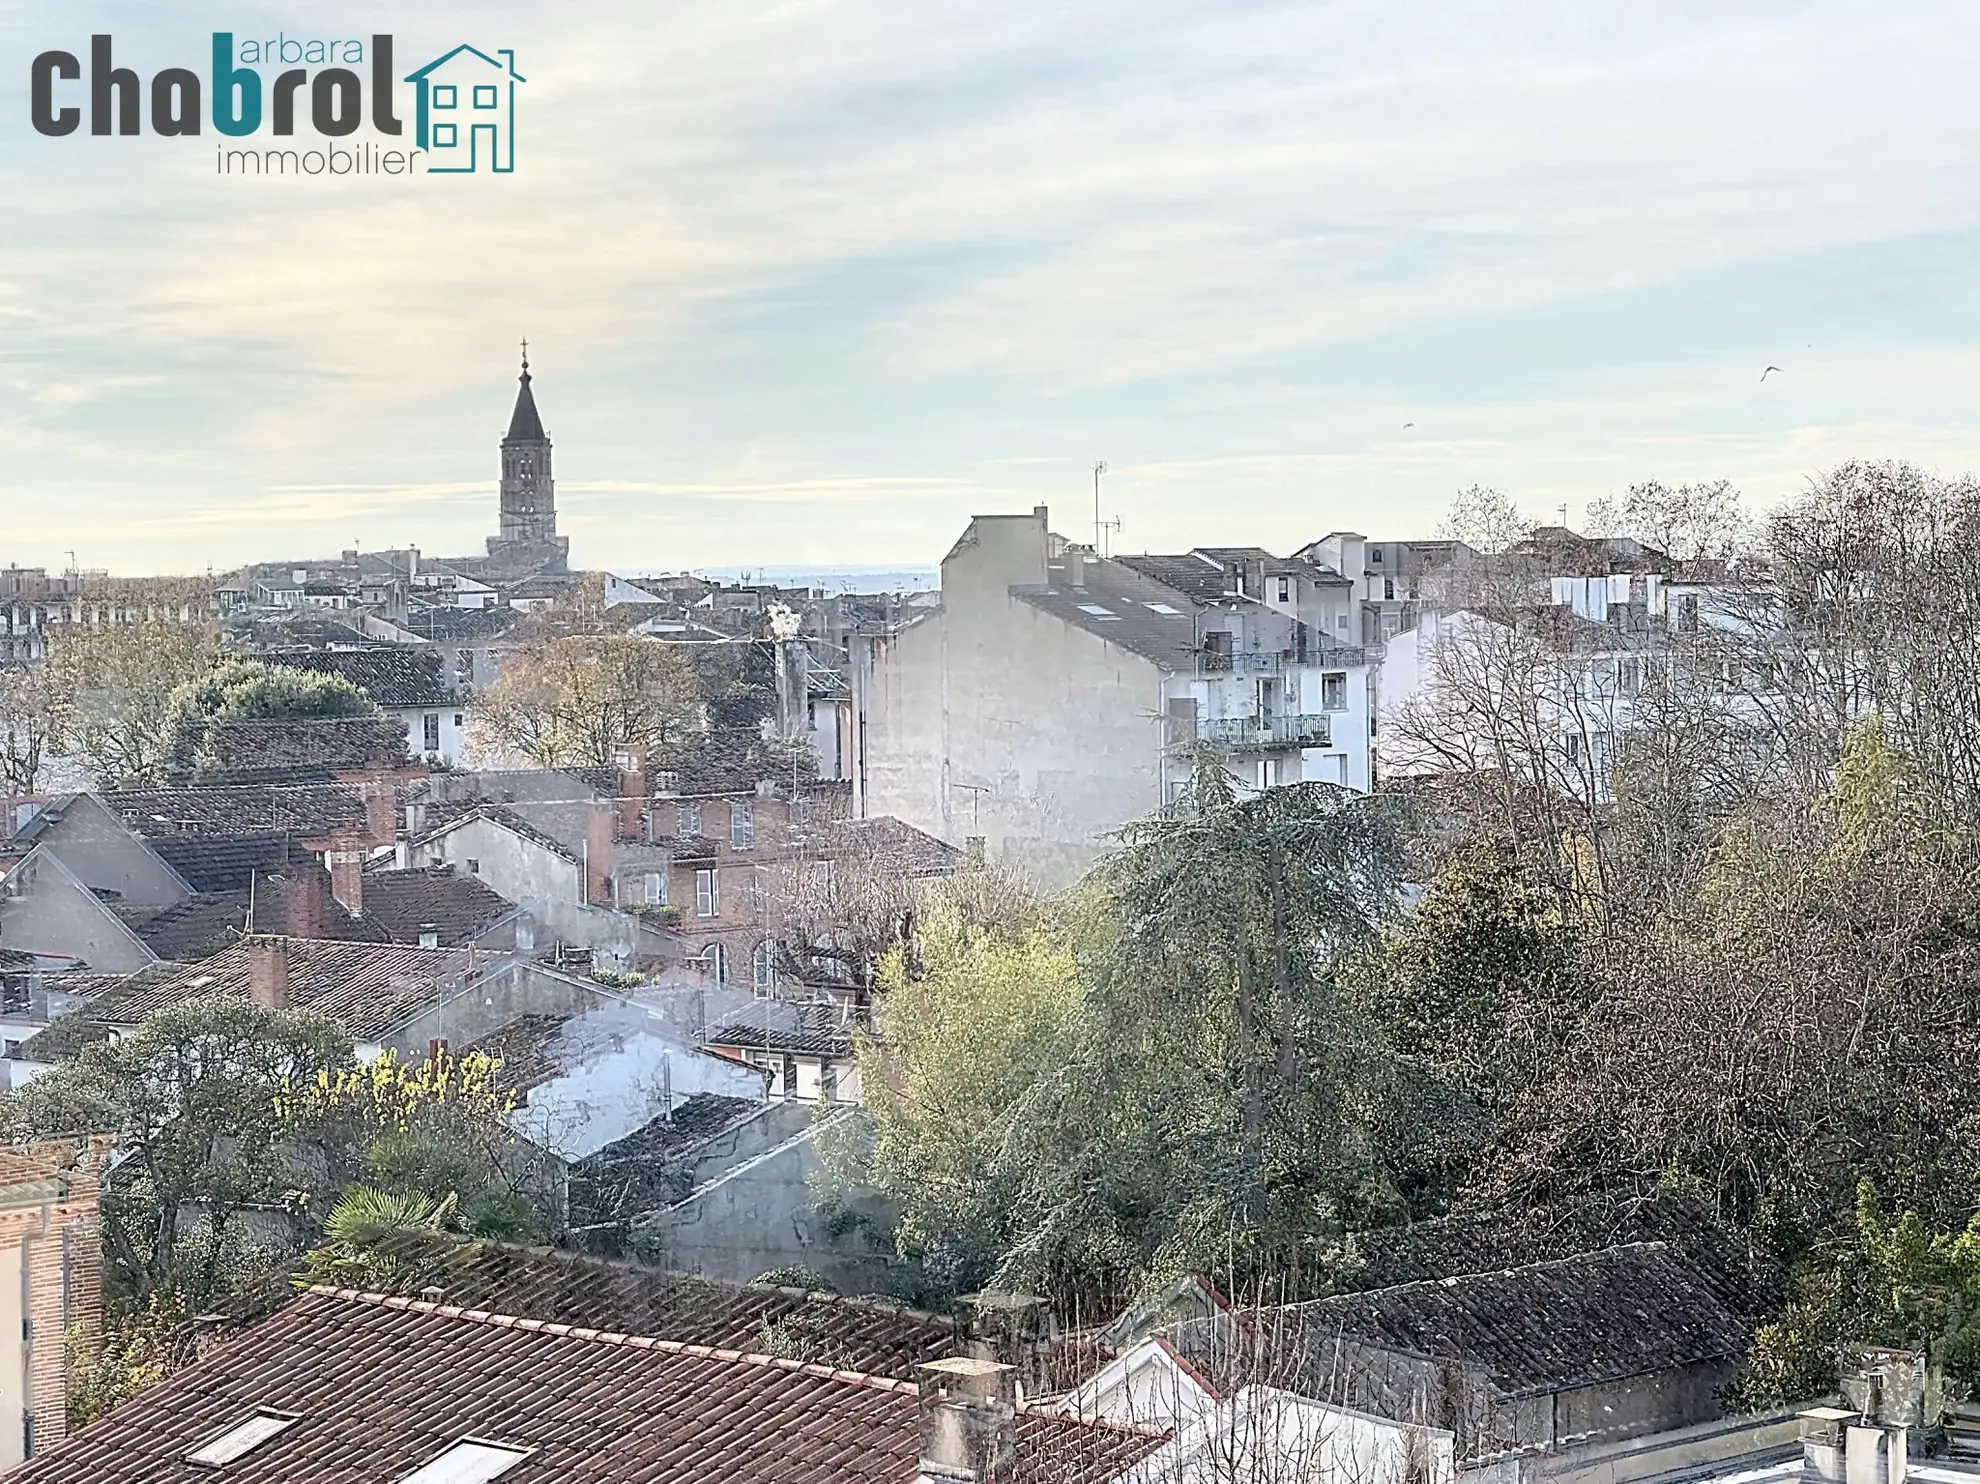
(1101, 527)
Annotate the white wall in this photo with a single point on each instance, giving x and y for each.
(992, 718)
(453, 731)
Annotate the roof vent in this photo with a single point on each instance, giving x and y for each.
(242, 1438)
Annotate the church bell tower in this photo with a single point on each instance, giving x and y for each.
(529, 492)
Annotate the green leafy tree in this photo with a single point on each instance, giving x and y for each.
(195, 1099)
(1477, 991)
(1217, 1052)
(1164, 1079)
(1891, 1282)
(957, 1039)
(365, 1239)
(435, 1130)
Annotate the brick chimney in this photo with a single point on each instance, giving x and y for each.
(632, 795)
(381, 811)
(268, 972)
(347, 879)
(968, 1421)
(301, 901)
(600, 833)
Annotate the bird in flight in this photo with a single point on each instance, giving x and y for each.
(1764, 374)
(1409, 425)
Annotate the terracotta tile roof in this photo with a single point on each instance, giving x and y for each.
(1746, 1279)
(1548, 1327)
(571, 1288)
(385, 1385)
(814, 1029)
(891, 844)
(396, 678)
(368, 988)
(300, 750)
(307, 811)
(523, 1046)
(216, 863)
(297, 901)
(653, 1166)
(725, 761)
(455, 625)
(458, 907)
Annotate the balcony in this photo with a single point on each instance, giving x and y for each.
(1266, 734)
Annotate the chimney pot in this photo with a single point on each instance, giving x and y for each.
(968, 1420)
(268, 972)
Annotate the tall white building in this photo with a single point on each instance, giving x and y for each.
(1055, 696)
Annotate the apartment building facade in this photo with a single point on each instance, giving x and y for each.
(1055, 696)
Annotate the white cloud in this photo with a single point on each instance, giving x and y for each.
(1134, 227)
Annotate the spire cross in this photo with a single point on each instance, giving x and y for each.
(525, 352)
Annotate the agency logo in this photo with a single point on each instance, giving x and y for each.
(465, 105)
(467, 111)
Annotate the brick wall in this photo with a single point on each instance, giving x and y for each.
(50, 1229)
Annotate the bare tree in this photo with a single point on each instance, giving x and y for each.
(112, 691)
(1696, 525)
(28, 721)
(586, 700)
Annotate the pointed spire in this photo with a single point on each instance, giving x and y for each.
(524, 424)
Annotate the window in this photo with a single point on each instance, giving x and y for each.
(446, 95)
(742, 825)
(445, 136)
(474, 867)
(1333, 692)
(484, 96)
(821, 877)
(432, 731)
(1285, 589)
(707, 894)
(459, 720)
(656, 888)
(763, 965)
(242, 1438)
(468, 1462)
(718, 964)
(690, 820)
(1389, 589)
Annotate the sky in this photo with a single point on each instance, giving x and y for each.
(813, 281)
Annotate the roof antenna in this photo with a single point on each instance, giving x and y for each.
(1100, 526)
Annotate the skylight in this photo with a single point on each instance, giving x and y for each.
(242, 1438)
(1096, 610)
(468, 1462)
(1164, 609)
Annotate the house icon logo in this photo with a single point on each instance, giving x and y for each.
(467, 111)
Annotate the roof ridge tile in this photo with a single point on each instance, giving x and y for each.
(613, 1337)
